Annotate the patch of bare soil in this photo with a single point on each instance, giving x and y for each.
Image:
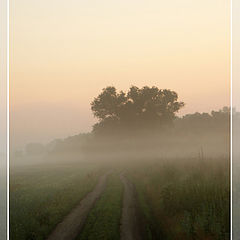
(130, 223)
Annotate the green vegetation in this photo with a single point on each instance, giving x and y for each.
(40, 196)
(178, 199)
(184, 199)
(103, 221)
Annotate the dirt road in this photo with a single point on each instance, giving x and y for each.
(72, 224)
(130, 227)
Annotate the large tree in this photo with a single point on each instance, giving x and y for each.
(139, 108)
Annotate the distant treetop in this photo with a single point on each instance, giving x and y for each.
(139, 108)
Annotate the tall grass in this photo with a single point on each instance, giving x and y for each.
(187, 198)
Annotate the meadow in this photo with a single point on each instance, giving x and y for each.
(184, 198)
(41, 195)
(176, 198)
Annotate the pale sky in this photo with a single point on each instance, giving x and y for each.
(236, 54)
(64, 52)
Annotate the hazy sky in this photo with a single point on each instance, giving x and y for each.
(236, 53)
(64, 52)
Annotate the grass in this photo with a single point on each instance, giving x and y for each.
(179, 199)
(40, 196)
(103, 221)
(184, 199)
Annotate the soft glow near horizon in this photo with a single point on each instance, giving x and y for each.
(64, 52)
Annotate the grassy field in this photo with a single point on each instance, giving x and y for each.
(184, 199)
(178, 198)
(40, 196)
(104, 219)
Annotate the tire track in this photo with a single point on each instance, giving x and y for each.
(130, 227)
(72, 224)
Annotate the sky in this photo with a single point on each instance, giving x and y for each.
(62, 53)
(236, 54)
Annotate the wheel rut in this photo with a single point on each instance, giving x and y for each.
(130, 227)
(72, 224)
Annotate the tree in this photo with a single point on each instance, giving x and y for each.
(148, 107)
(199, 123)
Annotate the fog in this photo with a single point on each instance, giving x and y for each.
(192, 136)
(188, 159)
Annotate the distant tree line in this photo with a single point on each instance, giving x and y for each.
(197, 123)
(149, 109)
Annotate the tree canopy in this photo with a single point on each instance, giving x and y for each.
(136, 109)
